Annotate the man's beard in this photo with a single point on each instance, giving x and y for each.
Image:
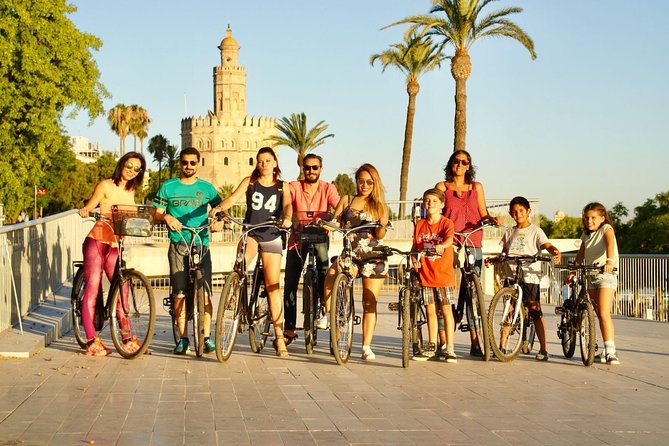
(188, 174)
(309, 180)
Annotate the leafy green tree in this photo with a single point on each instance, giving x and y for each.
(138, 125)
(462, 24)
(414, 57)
(546, 224)
(648, 231)
(344, 184)
(568, 227)
(296, 135)
(119, 120)
(158, 149)
(172, 159)
(46, 67)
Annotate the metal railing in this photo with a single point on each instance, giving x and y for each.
(37, 258)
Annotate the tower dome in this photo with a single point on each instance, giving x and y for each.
(228, 41)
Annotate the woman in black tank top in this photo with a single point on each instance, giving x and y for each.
(265, 198)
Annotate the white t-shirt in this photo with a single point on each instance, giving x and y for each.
(595, 247)
(525, 241)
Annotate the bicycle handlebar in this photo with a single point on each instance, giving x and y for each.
(521, 258)
(346, 231)
(246, 227)
(573, 266)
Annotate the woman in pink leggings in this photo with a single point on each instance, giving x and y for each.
(100, 247)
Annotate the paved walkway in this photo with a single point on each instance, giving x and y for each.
(59, 396)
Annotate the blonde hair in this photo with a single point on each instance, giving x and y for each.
(376, 203)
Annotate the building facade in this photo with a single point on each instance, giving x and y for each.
(227, 137)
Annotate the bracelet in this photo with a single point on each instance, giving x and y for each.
(610, 260)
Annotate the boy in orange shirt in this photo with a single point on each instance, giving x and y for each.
(435, 232)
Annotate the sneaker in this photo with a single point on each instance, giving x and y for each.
(475, 351)
(368, 355)
(612, 359)
(182, 347)
(97, 348)
(209, 345)
(131, 345)
(451, 358)
(542, 356)
(323, 322)
(600, 358)
(427, 353)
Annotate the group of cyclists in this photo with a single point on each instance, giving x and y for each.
(455, 205)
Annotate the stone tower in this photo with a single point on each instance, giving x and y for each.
(227, 137)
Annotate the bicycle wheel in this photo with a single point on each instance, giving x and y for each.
(505, 324)
(133, 314)
(260, 314)
(341, 318)
(227, 316)
(529, 334)
(587, 333)
(310, 309)
(417, 322)
(200, 313)
(477, 316)
(405, 312)
(76, 300)
(566, 329)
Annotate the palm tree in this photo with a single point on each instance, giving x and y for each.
(138, 125)
(462, 25)
(296, 136)
(118, 118)
(158, 148)
(414, 57)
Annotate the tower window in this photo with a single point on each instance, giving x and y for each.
(225, 161)
(250, 161)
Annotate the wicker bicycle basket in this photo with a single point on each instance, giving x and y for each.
(133, 220)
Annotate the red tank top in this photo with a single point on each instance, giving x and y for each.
(463, 211)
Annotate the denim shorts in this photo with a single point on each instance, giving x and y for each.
(176, 255)
(274, 246)
(439, 296)
(602, 280)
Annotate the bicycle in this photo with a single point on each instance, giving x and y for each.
(342, 305)
(244, 301)
(510, 326)
(471, 294)
(194, 251)
(129, 306)
(577, 314)
(410, 307)
(312, 299)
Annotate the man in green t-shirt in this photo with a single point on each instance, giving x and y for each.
(185, 201)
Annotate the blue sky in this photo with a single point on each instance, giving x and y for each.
(584, 121)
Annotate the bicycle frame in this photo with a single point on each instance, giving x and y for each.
(342, 314)
(477, 313)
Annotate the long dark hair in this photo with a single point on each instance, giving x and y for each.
(470, 175)
(256, 173)
(135, 182)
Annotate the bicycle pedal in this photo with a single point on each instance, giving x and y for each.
(167, 301)
(393, 306)
(464, 327)
(559, 310)
(357, 320)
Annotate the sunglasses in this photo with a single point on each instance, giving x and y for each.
(460, 162)
(131, 166)
(365, 182)
(189, 163)
(312, 167)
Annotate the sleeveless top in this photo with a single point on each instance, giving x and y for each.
(595, 247)
(103, 231)
(262, 204)
(362, 242)
(463, 211)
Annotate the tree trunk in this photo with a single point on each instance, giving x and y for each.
(300, 162)
(461, 68)
(412, 90)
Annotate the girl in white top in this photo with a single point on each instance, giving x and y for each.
(599, 247)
